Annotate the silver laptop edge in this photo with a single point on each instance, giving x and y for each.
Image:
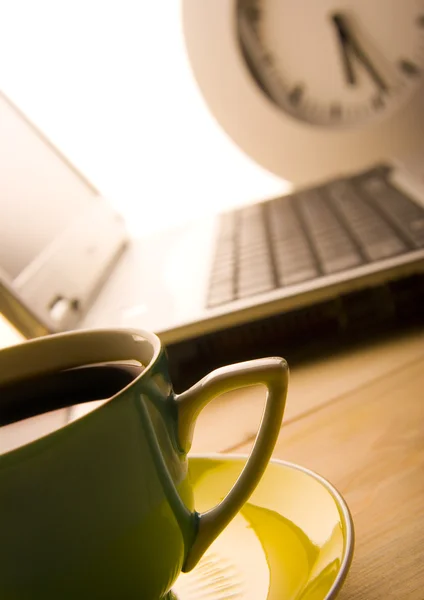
(86, 278)
(62, 273)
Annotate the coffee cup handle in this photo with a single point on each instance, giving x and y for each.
(273, 374)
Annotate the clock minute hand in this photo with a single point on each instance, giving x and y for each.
(344, 43)
(352, 43)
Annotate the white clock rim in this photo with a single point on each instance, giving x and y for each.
(309, 153)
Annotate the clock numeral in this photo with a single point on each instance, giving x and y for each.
(420, 21)
(377, 102)
(295, 95)
(409, 68)
(253, 13)
(335, 111)
(267, 59)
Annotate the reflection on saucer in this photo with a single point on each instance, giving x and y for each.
(293, 540)
(234, 567)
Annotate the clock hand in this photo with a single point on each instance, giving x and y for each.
(344, 42)
(350, 42)
(364, 59)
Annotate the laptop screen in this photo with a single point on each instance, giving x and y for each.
(40, 192)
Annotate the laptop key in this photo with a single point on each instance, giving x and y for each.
(317, 232)
(294, 268)
(340, 263)
(384, 249)
(220, 293)
(294, 261)
(376, 237)
(253, 287)
(402, 212)
(334, 247)
(298, 275)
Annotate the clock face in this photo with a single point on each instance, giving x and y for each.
(334, 64)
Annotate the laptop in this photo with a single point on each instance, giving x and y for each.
(337, 257)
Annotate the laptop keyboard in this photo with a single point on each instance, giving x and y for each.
(313, 233)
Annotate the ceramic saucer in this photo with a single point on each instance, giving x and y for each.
(292, 541)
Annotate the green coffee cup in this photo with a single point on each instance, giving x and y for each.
(101, 507)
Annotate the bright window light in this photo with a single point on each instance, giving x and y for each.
(109, 82)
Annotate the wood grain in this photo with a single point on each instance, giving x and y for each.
(370, 444)
(234, 418)
(358, 419)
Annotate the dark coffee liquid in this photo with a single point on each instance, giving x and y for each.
(34, 407)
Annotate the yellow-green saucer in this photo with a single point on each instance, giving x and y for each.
(293, 540)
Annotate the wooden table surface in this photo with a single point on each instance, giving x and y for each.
(358, 420)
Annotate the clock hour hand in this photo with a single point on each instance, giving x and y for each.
(344, 46)
(350, 43)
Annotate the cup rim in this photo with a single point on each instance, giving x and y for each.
(24, 351)
(29, 349)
